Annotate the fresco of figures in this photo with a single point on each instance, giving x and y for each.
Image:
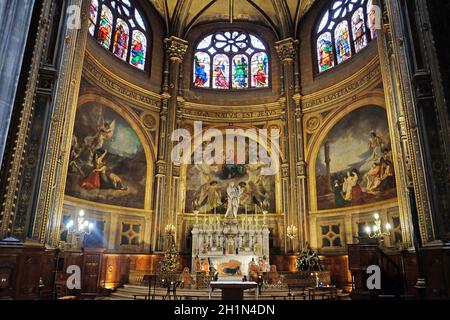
(206, 187)
(354, 165)
(107, 160)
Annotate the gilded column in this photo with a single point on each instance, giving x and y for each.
(24, 140)
(50, 198)
(12, 39)
(403, 118)
(166, 186)
(286, 50)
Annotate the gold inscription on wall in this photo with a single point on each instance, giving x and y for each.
(265, 114)
(113, 86)
(350, 89)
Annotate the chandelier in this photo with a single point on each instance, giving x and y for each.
(79, 228)
(376, 231)
(170, 230)
(291, 232)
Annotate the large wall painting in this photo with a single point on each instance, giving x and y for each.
(206, 187)
(107, 160)
(354, 165)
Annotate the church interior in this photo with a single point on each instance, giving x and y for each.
(274, 150)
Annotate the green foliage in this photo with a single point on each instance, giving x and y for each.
(309, 261)
(170, 262)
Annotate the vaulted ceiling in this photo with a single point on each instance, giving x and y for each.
(282, 16)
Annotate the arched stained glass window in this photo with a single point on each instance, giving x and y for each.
(325, 51)
(231, 60)
(121, 39)
(342, 32)
(221, 69)
(120, 28)
(105, 28)
(93, 12)
(342, 41)
(359, 30)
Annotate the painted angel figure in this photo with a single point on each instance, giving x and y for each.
(105, 132)
(234, 196)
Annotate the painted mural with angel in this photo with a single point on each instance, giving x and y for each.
(207, 186)
(354, 165)
(107, 160)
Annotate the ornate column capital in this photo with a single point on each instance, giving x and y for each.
(286, 49)
(176, 48)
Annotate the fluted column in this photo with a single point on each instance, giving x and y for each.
(409, 161)
(40, 141)
(15, 19)
(48, 215)
(166, 188)
(287, 52)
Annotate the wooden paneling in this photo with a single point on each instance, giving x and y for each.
(340, 273)
(116, 267)
(436, 262)
(22, 268)
(91, 271)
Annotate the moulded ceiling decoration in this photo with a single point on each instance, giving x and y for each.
(282, 16)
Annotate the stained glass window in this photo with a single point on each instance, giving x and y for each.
(119, 27)
(342, 39)
(371, 18)
(93, 12)
(138, 50)
(105, 28)
(325, 52)
(121, 39)
(221, 72)
(240, 71)
(260, 70)
(359, 30)
(202, 68)
(231, 60)
(342, 32)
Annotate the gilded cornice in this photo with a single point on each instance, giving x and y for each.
(176, 48)
(214, 113)
(368, 76)
(95, 72)
(286, 49)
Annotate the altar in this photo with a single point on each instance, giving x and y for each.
(233, 290)
(230, 246)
